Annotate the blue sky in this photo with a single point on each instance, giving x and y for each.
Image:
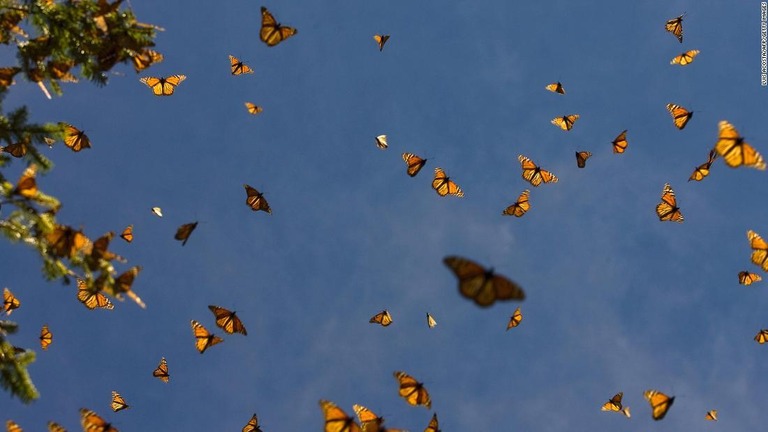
(616, 300)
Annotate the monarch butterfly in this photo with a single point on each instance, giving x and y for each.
(381, 40)
(163, 86)
(581, 158)
(27, 185)
(443, 185)
(99, 249)
(481, 285)
(555, 88)
(731, 146)
(747, 278)
(381, 142)
(118, 403)
(64, 241)
(519, 207)
(272, 33)
(74, 138)
(253, 108)
(565, 122)
(92, 299)
(60, 71)
(161, 371)
(255, 200)
(123, 285)
(433, 424)
(660, 403)
(238, 67)
(7, 74)
(614, 404)
(412, 391)
(227, 320)
(10, 302)
(702, 170)
(431, 323)
(675, 26)
(369, 421)
(92, 422)
(620, 142)
(55, 427)
(759, 250)
(11, 426)
(680, 115)
(252, 425)
(414, 163)
(127, 234)
(383, 318)
(711, 415)
(685, 58)
(515, 319)
(336, 420)
(16, 150)
(533, 174)
(157, 211)
(184, 231)
(46, 337)
(762, 336)
(203, 338)
(145, 59)
(667, 210)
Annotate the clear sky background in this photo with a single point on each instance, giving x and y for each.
(616, 300)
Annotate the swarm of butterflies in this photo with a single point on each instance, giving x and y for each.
(481, 285)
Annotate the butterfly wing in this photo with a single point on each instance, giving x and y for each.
(161, 371)
(184, 231)
(620, 142)
(381, 40)
(660, 403)
(685, 58)
(520, 207)
(253, 108)
(614, 404)
(237, 67)
(680, 115)
(431, 323)
(555, 88)
(127, 234)
(118, 403)
(10, 302)
(203, 338)
(414, 163)
(748, 278)
(92, 298)
(272, 33)
(55, 427)
(667, 210)
(227, 320)
(433, 425)
(581, 158)
(46, 337)
(412, 391)
(565, 122)
(145, 59)
(759, 249)
(675, 26)
(336, 420)
(252, 425)
(762, 336)
(255, 200)
(381, 142)
(731, 146)
(92, 422)
(75, 139)
(515, 319)
(383, 318)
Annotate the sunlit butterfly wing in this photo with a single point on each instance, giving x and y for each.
(10, 302)
(252, 425)
(118, 403)
(46, 337)
(12, 426)
(555, 88)
(433, 425)
(255, 200)
(748, 278)
(534, 174)
(163, 86)
(660, 403)
(762, 336)
(735, 151)
(381, 40)
(667, 210)
(16, 150)
(412, 391)
(127, 234)
(27, 185)
(237, 67)
(711, 415)
(614, 404)
(92, 298)
(700, 172)
(145, 59)
(383, 318)
(161, 371)
(519, 207)
(272, 32)
(157, 211)
(381, 142)
(203, 338)
(620, 142)
(336, 420)
(680, 115)
(675, 26)
(184, 231)
(369, 421)
(443, 185)
(414, 163)
(759, 250)
(431, 323)
(481, 285)
(64, 241)
(7, 74)
(227, 320)
(74, 138)
(55, 427)
(253, 109)
(515, 319)
(565, 122)
(581, 158)
(685, 58)
(92, 422)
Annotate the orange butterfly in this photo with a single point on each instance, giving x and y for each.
(74, 138)
(731, 146)
(555, 88)
(336, 420)
(675, 26)
(161, 371)
(748, 278)
(369, 421)
(711, 415)
(412, 391)
(99, 249)
(252, 425)
(534, 174)
(414, 163)
(660, 403)
(519, 207)
(118, 403)
(272, 33)
(163, 86)
(123, 285)
(46, 337)
(10, 302)
(620, 142)
(65, 242)
(92, 422)
(685, 58)
(127, 234)
(227, 320)
(238, 67)
(443, 185)
(481, 285)
(759, 249)
(255, 200)
(433, 424)
(680, 115)
(184, 231)
(145, 59)
(381, 40)
(203, 338)
(703, 170)
(12, 426)
(16, 150)
(27, 185)
(383, 318)
(515, 319)
(762, 336)
(581, 158)
(614, 404)
(253, 108)
(92, 299)
(55, 427)
(565, 122)
(667, 210)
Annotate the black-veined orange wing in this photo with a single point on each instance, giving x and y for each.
(519, 207)
(272, 32)
(555, 88)
(412, 391)
(481, 285)
(92, 298)
(336, 420)
(253, 109)
(127, 234)
(680, 115)
(735, 151)
(381, 40)
(18, 149)
(668, 210)
(748, 278)
(27, 185)
(227, 320)
(161, 371)
(533, 174)
(433, 425)
(203, 338)
(100, 249)
(255, 200)
(383, 318)
(65, 242)
(252, 425)
(515, 319)
(614, 404)
(46, 337)
(759, 250)
(620, 142)
(685, 58)
(762, 336)
(675, 26)
(145, 59)
(10, 302)
(660, 403)
(163, 86)
(368, 419)
(74, 138)
(414, 163)
(237, 67)
(92, 422)
(565, 122)
(443, 185)
(581, 158)
(55, 427)
(184, 231)
(118, 403)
